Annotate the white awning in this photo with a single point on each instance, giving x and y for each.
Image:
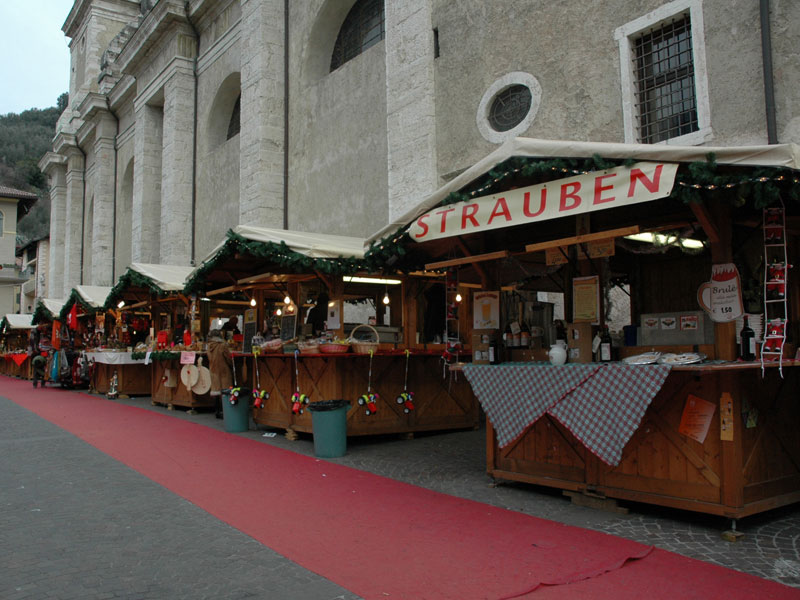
(313, 245)
(93, 295)
(169, 278)
(53, 306)
(19, 321)
(776, 155)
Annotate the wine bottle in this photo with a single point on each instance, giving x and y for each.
(747, 342)
(605, 345)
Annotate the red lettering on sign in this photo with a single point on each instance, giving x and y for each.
(422, 225)
(651, 185)
(500, 208)
(468, 214)
(599, 188)
(526, 209)
(444, 217)
(572, 194)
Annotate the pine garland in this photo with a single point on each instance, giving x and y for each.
(42, 315)
(75, 298)
(132, 279)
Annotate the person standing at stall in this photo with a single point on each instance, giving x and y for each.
(220, 364)
(318, 314)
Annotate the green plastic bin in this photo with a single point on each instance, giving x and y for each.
(329, 424)
(236, 416)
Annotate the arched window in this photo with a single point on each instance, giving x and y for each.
(362, 28)
(234, 125)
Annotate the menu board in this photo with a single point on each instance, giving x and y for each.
(288, 327)
(586, 300)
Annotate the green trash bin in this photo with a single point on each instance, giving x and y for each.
(236, 409)
(329, 424)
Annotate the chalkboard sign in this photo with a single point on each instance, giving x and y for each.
(288, 327)
(249, 329)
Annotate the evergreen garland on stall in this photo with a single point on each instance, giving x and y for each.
(132, 279)
(75, 298)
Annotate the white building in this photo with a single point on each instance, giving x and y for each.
(14, 204)
(188, 118)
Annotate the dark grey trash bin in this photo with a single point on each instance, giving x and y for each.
(329, 424)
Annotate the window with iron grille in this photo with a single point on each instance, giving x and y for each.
(666, 100)
(510, 107)
(362, 28)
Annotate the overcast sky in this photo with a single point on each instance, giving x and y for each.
(34, 68)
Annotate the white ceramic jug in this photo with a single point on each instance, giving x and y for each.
(558, 354)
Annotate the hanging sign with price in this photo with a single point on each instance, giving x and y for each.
(721, 297)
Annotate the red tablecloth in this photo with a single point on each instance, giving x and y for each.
(601, 404)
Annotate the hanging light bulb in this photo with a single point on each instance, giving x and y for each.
(458, 297)
(386, 297)
(121, 304)
(279, 312)
(287, 299)
(252, 301)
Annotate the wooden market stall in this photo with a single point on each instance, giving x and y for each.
(551, 232)
(147, 305)
(14, 332)
(263, 268)
(82, 323)
(45, 318)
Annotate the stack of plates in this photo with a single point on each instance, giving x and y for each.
(648, 358)
(687, 358)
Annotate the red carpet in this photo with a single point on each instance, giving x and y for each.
(374, 536)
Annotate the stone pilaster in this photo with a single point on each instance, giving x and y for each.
(176, 193)
(57, 174)
(410, 105)
(261, 139)
(145, 226)
(103, 210)
(73, 221)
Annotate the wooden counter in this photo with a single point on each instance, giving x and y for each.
(439, 403)
(167, 389)
(759, 469)
(133, 378)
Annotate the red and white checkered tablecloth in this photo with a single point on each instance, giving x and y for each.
(601, 404)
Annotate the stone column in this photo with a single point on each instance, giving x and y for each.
(103, 210)
(410, 104)
(261, 139)
(73, 221)
(176, 193)
(145, 226)
(58, 203)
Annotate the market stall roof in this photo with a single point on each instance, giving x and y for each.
(90, 297)
(786, 156)
(160, 280)
(15, 321)
(47, 309)
(282, 251)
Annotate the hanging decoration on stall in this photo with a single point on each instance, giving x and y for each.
(260, 396)
(189, 375)
(72, 317)
(406, 398)
(299, 400)
(370, 399)
(203, 384)
(721, 297)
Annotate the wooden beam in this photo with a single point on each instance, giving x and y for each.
(706, 221)
(580, 239)
(468, 260)
(255, 278)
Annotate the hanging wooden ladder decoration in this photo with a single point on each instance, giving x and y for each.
(776, 270)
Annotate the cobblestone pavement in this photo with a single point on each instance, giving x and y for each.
(78, 524)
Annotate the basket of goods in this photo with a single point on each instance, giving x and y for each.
(362, 346)
(275, 345)
(308, 347)
(337, 346)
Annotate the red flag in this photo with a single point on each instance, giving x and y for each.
(72, 317)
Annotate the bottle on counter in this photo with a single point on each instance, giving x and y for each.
(524, 335)
(604, 353)
(747, 342)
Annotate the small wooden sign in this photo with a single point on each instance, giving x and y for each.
(556, 256)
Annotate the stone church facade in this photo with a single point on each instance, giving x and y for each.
(187, 118)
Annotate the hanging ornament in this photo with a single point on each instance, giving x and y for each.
(406, 398)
